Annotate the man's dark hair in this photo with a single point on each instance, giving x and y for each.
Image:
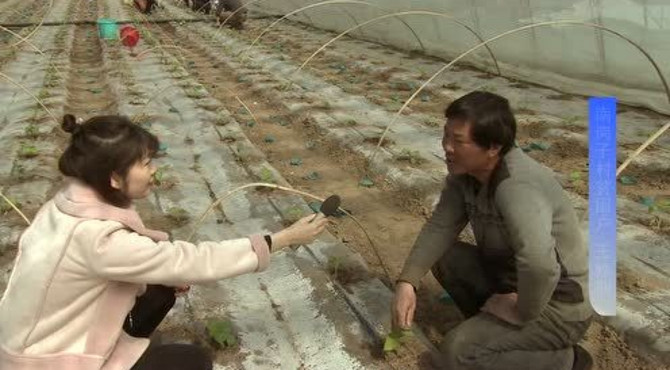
(101, 146)
(490, 117)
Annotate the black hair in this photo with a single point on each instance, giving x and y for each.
(490, 117)
(101, 146)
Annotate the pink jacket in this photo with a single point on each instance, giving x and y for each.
(79, 267)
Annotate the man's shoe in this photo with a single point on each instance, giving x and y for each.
(583, 359)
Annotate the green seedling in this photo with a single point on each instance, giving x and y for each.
(293, 214)
(539, 145)
(576, 178)
(312, 176)
(31, 131)
(573, 120)
(137, 101)
(222, 333)
(222, 120)
(178, 215)
(160, 174)
(366, 181)
(280, 120)
(6, 207)
(266, 175)
(28, 151)
(655, 204)
(196, 93)
(396, 339)
(340, 67)
(432, 122)
(411, 156)
(43, 95)
(627, 180)
(334, 264)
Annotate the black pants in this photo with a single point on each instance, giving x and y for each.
(149, 310)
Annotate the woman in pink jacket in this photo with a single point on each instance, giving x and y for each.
(87, 256)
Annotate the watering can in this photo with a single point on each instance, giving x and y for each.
(108, 29)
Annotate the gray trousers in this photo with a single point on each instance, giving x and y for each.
(484, 342)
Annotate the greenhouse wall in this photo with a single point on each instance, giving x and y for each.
(571, 58)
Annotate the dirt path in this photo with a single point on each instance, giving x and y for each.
(89, 93)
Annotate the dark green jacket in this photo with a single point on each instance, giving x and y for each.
(527, 231)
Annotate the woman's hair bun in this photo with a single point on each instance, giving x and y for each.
(70, 124)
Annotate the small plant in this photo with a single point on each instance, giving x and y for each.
(350, 123)
(334, 264)
(133, 92)
(266, 175)
(28, 151)
(287, 85)
(159, 175)
(140, 119)
(51, 81)
(6, 207)
(196, 93)
(576, 178)
(222, 120)
(137, 101)
(31, 131)
(178, 215)
(222, 333)
(411, 156)
(573, 120)
(43, 95)
(432, 122)
(18, 171)
(293, 214)
(396, 339)
(658, 204)
(366, 181)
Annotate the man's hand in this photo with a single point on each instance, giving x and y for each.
(404, 304)
(504, 307)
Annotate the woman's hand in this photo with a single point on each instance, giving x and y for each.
(301, 232)
(181, 290)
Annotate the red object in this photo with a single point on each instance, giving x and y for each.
(129, 36)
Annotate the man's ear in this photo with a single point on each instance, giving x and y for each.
(494, 150)
(116, 181)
